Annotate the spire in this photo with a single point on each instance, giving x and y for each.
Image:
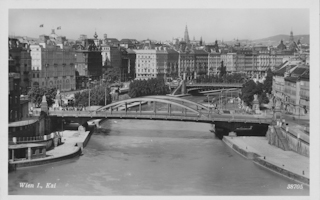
(95, 35)
(186, 35)
(200, 41)
(291, 36)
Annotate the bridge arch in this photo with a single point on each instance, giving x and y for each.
(140, 99)
(178, 99)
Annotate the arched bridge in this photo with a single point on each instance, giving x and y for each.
(185, 104)
(177, 110)
(204, 87)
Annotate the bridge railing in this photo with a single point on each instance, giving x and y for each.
(207, 116)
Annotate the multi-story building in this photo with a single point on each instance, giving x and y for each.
(172, 63)
(127, 43)
(292, 89)
(229, 61)
(304, 84)
(278, 83)
(88, 59)
(201, 62)
(53, 63)
(214, 62)
(186, 64)
(146, 63)
(161, 61)
(214, 58)
(14, 96)
(127, 71)
(111, 42)
(19, 54)
(240, 62)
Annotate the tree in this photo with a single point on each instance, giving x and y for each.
(251, 88)
(268, 82)
(112, 74)
(35, 95)
(247, 91)
(263, 99)
(223, 70)
(97, 96)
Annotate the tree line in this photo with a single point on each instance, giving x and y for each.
(154, 86)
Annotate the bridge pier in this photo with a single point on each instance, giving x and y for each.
(140, 107)
(169, 109)
(154, 108)
(126, 107)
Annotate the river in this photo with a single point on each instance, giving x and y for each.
(145, 157)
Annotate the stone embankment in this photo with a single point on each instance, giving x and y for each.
(287, 163)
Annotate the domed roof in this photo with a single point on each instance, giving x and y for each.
(281, 46)
(53, 35)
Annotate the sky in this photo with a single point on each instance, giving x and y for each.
(160, 24)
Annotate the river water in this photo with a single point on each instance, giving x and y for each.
(145, 157)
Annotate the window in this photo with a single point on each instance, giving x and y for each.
(33, 151)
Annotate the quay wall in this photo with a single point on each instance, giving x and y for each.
(258, 159)
(280, 170)
(47, 160)
(295, 143)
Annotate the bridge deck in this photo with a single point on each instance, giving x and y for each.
(162, 115)
(234, 85)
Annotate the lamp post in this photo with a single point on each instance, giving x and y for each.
(105, 96)
(208, 103)
(89, 90)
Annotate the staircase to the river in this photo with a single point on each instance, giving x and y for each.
(283, 141)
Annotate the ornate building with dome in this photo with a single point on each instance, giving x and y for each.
(53, 63)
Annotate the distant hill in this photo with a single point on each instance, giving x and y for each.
(275, 40)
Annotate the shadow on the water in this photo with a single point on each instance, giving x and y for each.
(102, 131)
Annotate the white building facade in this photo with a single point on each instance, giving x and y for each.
(146, 64)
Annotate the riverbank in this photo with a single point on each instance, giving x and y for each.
(286, 163)
(72, 145)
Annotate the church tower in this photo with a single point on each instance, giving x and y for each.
(186, 35)
(291, 39)
(96, 40)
